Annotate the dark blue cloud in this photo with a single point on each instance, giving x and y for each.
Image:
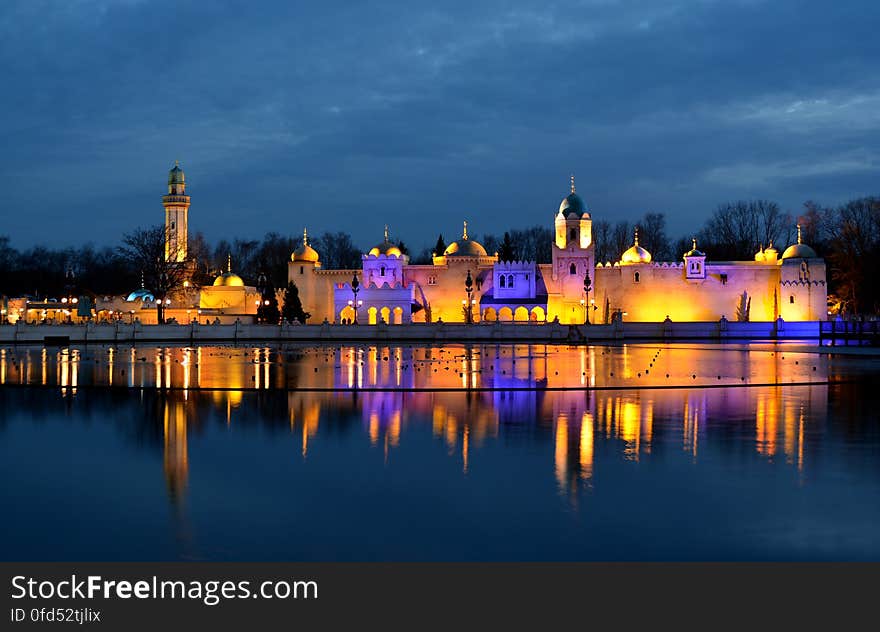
(349, 116)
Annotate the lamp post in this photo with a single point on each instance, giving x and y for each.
(262, 284)
(355, 288)
(588, 285)
(469, 306)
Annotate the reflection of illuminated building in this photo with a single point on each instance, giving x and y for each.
(176, 460)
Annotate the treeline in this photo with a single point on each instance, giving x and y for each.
(847, 236)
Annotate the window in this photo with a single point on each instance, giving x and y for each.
(723, 278)
(432, 280)
(572, 269)
(382, 271)
(501, 281)
(301, 269)
(509, 280)
(572, 235)
(172, 225)
(636, 277)
(791, 299)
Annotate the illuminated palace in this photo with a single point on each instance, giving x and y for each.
(465, 283)
(572, 288)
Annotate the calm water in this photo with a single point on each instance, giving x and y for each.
(505, 452)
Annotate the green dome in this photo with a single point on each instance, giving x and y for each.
(176, 176)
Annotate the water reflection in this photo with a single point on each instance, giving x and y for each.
(467, 367)
(572, 416)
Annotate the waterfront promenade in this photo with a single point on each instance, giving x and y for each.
(415, 333)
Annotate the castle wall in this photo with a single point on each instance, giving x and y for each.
(662, 290)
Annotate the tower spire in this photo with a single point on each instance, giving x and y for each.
(464, 231)
(572, 183)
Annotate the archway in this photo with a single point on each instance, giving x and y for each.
(386, 315)
(521, 314)
(505, 314)
(346, 315)
(398, 315)
(490, 315)
(371, 315)
(538, 314)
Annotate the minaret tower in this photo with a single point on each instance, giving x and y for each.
(176, 204)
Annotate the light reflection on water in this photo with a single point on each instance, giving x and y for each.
(558, 445)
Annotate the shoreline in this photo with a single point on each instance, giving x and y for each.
(409, 333)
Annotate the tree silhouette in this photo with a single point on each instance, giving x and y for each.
(293, 309)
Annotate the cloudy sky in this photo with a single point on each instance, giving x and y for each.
(350, 115)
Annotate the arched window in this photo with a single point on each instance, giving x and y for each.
(791, 299)
(572, 269)
(382, 271)
(572, 235)
(636, 277)
(501, 281)
(509, 280)
(301, 268)
(172, 225)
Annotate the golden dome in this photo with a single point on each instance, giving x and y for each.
(385, 248)
(305, 253)
(465, 247)
(228, 279)
(635, 253)
(799, 250)
(760, 256)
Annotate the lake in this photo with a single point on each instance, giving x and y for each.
(641, 451)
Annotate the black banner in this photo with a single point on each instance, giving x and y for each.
(149, 596)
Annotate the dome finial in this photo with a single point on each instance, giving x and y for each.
(143, 284)
(305, 236)
(386, 232)
(176, 163)
(799, 233)
(572, 183)
(464, 231)
(694, 240)
(229, 262)
(636, 242)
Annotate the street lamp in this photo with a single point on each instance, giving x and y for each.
(355, 288)
(588, 285)
(469, 306)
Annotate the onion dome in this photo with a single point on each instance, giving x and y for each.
(141, 294)
(228, 278)
(799, 250)
(770, 254)
(385, 248)
(635, 253)
(176, 175)
(305, 253)
(573, 204)
(693, 252)
(465, 247)
(759, 256)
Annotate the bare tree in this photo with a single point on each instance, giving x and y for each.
(602, 241)
(652, 236)
(854, 245)
(145, 248)
(621, 239)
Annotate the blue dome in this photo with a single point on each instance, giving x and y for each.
(573, 204)
(141, 294)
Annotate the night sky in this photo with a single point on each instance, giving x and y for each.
(350, 115)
